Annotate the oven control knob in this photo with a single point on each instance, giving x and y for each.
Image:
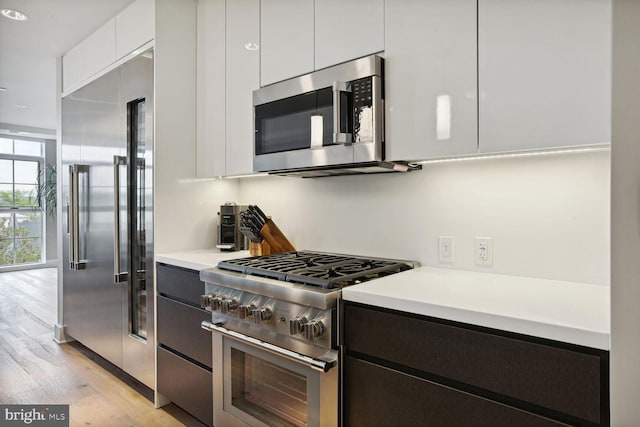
(313, 329)
(205, 300)
(227, 305)
(215, 303)
(261, 315)
(246, 311)
(296, 326)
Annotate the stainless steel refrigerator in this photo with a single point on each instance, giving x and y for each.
(107, 167)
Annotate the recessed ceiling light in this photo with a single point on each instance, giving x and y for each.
(14, 14)
(22, 106)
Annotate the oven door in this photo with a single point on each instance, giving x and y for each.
(258, 387)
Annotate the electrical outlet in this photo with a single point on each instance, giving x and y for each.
(445, 249)
(484, 251)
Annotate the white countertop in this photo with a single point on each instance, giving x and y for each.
(198, 259)
(576, 313)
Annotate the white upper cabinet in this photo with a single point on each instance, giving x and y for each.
(127, 31)
(286, 39)
(348, 29)
(430, 79)
(544, 73)
(242, 78)
(228, 71)
(93, 54)
(135, 26)
(300, 36)
(211, 89)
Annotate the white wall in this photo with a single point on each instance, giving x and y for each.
(548, 215)
(625, 208)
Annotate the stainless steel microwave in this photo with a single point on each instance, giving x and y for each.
(329, 122)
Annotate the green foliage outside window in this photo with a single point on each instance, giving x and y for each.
(25, 191)
(21, 198)
(22, 246)
(46, 190)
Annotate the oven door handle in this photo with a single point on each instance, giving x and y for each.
(323, 364)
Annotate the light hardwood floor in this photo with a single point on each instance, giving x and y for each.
(36, 370)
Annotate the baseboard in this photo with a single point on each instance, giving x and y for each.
(23, 267)
(161, 400)
(60, 334)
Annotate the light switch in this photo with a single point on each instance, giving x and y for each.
(445, 249)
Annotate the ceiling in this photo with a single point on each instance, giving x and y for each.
(28, 52)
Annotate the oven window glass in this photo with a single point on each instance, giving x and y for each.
(268, 392)
(285, 125)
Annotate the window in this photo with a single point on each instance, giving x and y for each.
(21, 219)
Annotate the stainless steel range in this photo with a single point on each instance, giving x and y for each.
(275, 319)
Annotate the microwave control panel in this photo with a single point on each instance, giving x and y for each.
(362, 93)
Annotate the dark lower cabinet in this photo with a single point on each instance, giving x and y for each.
(177, 330)
(187, 385)
(379, 396)
(184, 349)
(408, 370)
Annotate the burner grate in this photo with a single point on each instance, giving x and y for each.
(314, 268)
(351, 272)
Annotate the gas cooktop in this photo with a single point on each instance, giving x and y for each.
(326, 270)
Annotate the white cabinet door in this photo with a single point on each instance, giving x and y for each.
(93, 54)
(135, 26)
(348, 29)
(211, 134)
(544, 73)
(431, 83)
(243, 77)
(286, 39)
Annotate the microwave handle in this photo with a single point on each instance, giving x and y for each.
(338, 136)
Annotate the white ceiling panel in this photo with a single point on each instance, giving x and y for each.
(28, 52)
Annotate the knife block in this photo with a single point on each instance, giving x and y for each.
(276, 238)
(274, 241)
(259, 248)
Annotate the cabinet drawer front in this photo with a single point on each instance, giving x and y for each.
(180, 283)
(179, 329)
(556, 378)
(378, 396)
(187, 385)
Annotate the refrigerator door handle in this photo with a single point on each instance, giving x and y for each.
(75, 263)
(70, 217)
(118, 275)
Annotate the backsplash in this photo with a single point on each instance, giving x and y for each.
(548, 215)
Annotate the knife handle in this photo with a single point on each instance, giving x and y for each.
(260, 214)
(251, 235)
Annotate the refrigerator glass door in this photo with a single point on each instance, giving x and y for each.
(136, 203)
(137, 295)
